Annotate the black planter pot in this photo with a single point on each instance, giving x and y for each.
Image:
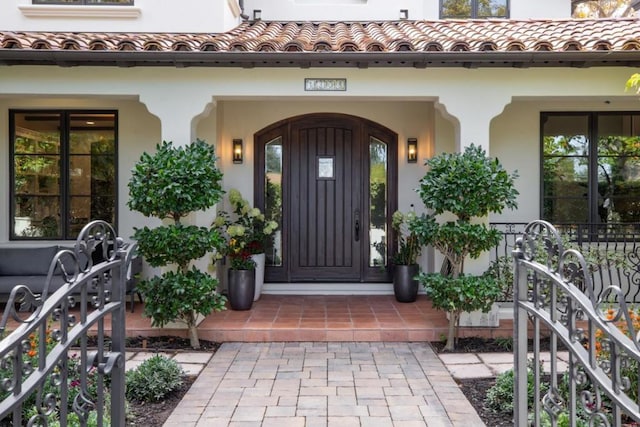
(405, 287)
(241, 289)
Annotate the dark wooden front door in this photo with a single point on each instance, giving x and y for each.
(326, 202)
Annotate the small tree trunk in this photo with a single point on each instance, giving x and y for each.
(451, 337)
(193, 331)
(193, 337)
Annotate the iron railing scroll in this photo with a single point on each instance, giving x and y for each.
(594, 379)
(48, 369)
(612, 252)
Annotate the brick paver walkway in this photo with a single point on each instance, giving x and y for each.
(324, 384)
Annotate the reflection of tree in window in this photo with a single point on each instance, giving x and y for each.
(618, 184)
(378, 201)
(602, 8)
(273, 199)
(63, 172)
(596, 183)
(474, 9)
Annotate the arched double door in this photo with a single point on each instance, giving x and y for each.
(330, 181)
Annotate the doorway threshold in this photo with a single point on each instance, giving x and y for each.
(328, 288)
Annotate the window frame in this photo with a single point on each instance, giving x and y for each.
(83, 3)
(65, 159)
(474, 12)
(592, 176)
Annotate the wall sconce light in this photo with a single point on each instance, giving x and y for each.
(412, 150)
(257, 14)
(404, 13)
(237, 151)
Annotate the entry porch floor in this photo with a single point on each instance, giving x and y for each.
(321, 318)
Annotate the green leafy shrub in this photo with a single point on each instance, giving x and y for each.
(466, 185)
(177, 295)
(505, 343)
(463, 293)
(154, 379)
(500, 395)
(458, 294)
(170, 185)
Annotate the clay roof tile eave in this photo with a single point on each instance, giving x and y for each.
(326, 59)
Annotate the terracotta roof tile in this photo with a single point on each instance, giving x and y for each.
(454, 37)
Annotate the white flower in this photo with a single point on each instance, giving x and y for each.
(270, 227)
(235, 230)
(235, 196)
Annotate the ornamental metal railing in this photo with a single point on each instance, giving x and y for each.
(612, 252)
(58, 365)
(588, 375)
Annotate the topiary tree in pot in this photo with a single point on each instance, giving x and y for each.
(467, 185)
(170, 185)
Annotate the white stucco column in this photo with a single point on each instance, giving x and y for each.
(179, 109)
(472, 113)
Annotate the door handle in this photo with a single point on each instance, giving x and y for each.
(357, 225)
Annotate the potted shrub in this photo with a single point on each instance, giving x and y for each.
(241, 276)
(246, 231)
(405, 265)
(169, 185)
(467, 186)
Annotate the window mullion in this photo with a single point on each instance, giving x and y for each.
(64, 174)
(593, 171)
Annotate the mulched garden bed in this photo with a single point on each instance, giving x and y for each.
(140, 414)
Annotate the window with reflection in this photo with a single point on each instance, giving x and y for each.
(63, 172)
(378, 203)
(591, 167)
(472, 9)
(273, 199)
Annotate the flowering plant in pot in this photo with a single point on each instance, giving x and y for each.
(405, 259)
(247, 232)
(245, 224)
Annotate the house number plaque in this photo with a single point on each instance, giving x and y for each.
(325, 85)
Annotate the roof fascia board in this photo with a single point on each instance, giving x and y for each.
(315, 59)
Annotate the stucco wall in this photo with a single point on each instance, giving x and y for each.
(241, 119)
